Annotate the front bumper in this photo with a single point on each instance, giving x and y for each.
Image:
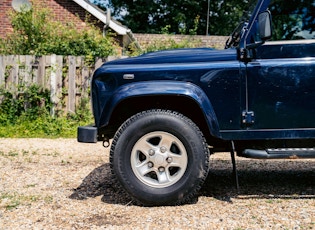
(87, 134)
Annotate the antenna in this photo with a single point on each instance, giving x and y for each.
(21, 5)
(108, 16)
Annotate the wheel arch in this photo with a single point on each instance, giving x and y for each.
(185, 98)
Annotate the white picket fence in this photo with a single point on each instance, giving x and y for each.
(66, 77)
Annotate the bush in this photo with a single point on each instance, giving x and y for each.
(36, 33)
(26, 113)
(169, 43)
(165, 44)
(28, 101)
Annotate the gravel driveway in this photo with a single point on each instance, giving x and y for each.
(62, 184)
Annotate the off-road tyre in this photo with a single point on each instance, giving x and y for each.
(160, 157)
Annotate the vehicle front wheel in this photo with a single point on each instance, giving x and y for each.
(160, 158)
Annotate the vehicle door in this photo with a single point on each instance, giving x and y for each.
(280, 79)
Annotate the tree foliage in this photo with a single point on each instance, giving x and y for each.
(147, 16)
(36, 33)
(293, 21)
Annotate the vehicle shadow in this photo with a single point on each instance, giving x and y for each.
(257, 179)
(261, 179)
(100, 182)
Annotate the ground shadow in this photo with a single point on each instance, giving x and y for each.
(100, 182)
(261, 180)
(267, 180)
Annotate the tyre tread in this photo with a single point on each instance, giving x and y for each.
(183, 200)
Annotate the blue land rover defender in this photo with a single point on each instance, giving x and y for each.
(167, 112)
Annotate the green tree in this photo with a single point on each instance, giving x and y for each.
(293, 21)
(147, 16)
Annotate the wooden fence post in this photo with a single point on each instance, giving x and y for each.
(59, 67)
(2, 70)
(28, 69)
(14, 62)
(41, 71)
(72, 86)
(53, 84)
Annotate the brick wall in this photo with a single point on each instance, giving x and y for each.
(205, 41)
(63, 10)
(5, 27)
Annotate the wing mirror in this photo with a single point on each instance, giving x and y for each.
(264, 25)
(264, 29)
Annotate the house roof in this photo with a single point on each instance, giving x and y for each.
(103, 17)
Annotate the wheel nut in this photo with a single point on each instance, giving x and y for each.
(161, 169)
(151, 152)
(150, 164)
(163, 149)
(169, 160)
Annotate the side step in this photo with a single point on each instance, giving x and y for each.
(285, 153)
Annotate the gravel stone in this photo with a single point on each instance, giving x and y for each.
(63, 184)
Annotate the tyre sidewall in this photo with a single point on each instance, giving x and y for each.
(176, 125)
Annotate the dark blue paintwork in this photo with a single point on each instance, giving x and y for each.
(275, 82)
(143, 89)
(202, 68)
(176, 56)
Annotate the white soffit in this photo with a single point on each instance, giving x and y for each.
(101, 15)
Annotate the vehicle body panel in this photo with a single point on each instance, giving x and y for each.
(281, 92)
(273, 83)
(208, 69)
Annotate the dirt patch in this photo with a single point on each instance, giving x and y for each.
(62, 184)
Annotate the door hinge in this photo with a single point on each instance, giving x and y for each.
(248, 117)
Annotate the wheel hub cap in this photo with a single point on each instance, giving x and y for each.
(159, 159)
